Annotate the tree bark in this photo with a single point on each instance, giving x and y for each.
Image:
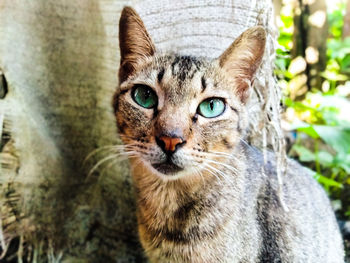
(60, 60)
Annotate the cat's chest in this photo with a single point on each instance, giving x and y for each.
(166, 214)
(214, 216)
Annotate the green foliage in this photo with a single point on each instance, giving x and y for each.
(320, 119)
(336, 21)
(285, 43)
(323, 141)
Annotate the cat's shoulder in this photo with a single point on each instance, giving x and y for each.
(264, 163)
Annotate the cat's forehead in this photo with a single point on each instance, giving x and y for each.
(184, 68)
(179, 76)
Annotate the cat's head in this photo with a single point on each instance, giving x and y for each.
(179, 114)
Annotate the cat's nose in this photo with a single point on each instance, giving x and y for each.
(169, 144)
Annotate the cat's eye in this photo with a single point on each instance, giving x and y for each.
(211, 108)
(144, 96)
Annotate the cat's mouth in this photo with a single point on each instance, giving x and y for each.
(168, 167)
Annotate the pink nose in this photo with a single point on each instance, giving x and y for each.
(169, 144)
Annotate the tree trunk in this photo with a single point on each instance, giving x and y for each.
(346, 28)
(310, 32)
(60, 60)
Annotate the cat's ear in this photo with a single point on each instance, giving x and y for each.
(242, 58)
(134, 42)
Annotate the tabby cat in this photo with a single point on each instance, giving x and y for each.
(203, 194)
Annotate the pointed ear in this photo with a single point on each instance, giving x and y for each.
(242, 59)
(134, 42)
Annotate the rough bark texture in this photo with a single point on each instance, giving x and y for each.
(60, 60)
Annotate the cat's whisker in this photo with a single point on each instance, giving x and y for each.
(198, 171)
(114, 162)
(223, 164)
(245, 142)
(109, 157)
(212, 171)
(100, 149)
(227, 166)
(210, 162)
(107, 149)
(207, 160)
(232, 157)
(218, 173)
(218, 154)
(210, 155)
(221, 154)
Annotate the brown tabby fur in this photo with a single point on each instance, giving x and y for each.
(220, 204)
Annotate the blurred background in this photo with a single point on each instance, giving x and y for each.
(313, 70)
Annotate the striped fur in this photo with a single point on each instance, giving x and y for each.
(220, 205)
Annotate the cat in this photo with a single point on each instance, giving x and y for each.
(203, 194)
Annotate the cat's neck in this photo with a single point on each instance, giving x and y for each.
(180, 209)
(155, 192)
(156, 196)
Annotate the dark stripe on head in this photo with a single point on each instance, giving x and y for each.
(160, 75)
(187, 67)
(204, 84)
(176, 60)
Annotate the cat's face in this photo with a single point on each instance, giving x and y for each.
(179, 115)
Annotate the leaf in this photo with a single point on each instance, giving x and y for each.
(337, 137)
(309, 130)
(325, 158)
(342, 160)
(287, 20)
(285, 41)
(345, 65)
(346, 168)
(305, 155)
(338, 48)
(281, 63)
(331, 75)
(327, 182)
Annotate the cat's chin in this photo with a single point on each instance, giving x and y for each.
(167, 168)
(167, 171)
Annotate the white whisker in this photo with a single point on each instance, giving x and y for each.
(211, 170)
(100, 149)
(231, 168)
(197, 170)
(223, 175)
(109, 157)
(245, 142)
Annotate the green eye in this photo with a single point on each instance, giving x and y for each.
(211, 108)
(144, 96)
